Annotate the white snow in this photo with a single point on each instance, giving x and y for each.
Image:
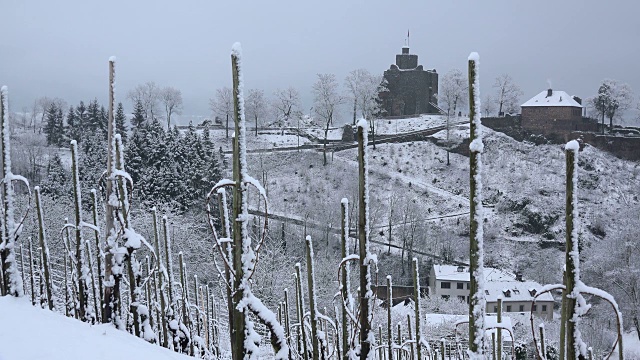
(42, 334)
(557, 98)
(112, 59)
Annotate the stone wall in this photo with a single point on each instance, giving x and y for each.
(621, 146)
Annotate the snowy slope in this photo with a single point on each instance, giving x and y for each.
(35, 334)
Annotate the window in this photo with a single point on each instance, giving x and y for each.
(459, 286)
(461, 298)
(544, 308)
(495, 309)
(445, 297)
(445, 285)
(508, 308)
(521, 308)
(535, 308)
(467, 286)
(506, 292)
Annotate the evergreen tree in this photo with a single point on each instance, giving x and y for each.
(60, 128)
(94, 118)
(121, 126)
(93, 157)
(57, 183)
(104, 120)
(51, 126)
(76, 123)
(138, 115)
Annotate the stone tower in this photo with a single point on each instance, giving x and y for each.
(412, 89)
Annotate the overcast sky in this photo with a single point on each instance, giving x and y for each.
(61, 48)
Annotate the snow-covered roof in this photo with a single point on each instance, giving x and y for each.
(461, 273)
(557, 98)
(514, 291)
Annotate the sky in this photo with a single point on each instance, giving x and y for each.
(61, 48)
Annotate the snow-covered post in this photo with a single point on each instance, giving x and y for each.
(287, 320)
(367, 336)
(499, 329)
(66, 281)
(572, 255)
(111, 297)
(399, 341)
(99, 254)
(477, 303)
(416, 293)
(12, 281)
(225, 234)
(96, 300)
(311, 283)
(33, 286)
(84, 311)
(345, 287)
(300, 306)
(186, 317)
(442, 350)
(197, 303)
(543, 347)
(161, 270)
(410, 337)
(45, 249)
(389, 325)
(170, 308)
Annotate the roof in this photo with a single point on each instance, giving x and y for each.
(512, 291)
(452, 273)
(557, 98)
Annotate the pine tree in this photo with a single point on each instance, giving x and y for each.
(76, 122)
(50, 128)
(59, 127)
(94, 118)
(92, 158)
(57, 182)
(121, 126)
(138, 115)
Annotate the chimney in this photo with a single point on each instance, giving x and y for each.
(519, 276)
(405, 50)
(549, 92)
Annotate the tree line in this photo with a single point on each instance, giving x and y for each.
(170, 166)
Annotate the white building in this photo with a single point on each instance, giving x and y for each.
(450, 282)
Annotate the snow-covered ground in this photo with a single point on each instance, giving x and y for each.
(30, 333)
(422, 122)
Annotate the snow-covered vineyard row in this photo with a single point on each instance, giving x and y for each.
(102, 278)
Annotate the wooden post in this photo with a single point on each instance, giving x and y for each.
(416, 294)
(477, 302)
(345, 287)
(389, 325)
(499, 330)
(45, 250)
(111, 286)
(300, 305)
(570, 258)
(160, 271)
(99, 255)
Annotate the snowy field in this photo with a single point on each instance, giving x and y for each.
(423, 122)
(41, 334)
(266, 139)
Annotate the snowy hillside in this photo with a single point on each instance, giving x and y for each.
(41, 334)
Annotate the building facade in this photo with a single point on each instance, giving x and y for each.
(453, 282)
(412, 90)
(554, 113)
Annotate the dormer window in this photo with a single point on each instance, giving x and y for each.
(532, 292)
(516, 291)
(460, 268)
(506, 292)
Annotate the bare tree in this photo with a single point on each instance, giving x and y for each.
(453, 89)
(354, 83)
(148, 94)
(286, 103)
(489, 105)
(507, 94)
(326, 99)
(222, 104)
(256, 105)
(171, 98)
(612, 100)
